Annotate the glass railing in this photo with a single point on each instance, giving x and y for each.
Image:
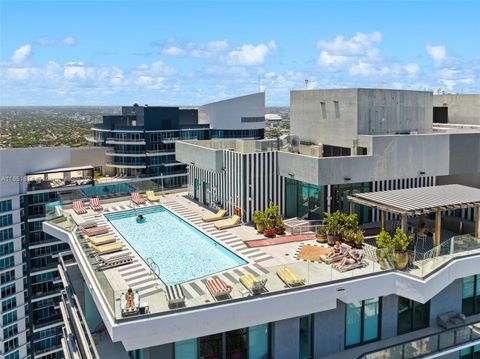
(429, 345)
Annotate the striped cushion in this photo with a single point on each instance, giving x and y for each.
(175, 293)
(217, 286)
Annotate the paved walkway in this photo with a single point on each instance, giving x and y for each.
(279, 240)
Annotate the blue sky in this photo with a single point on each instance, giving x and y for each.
(159, 52)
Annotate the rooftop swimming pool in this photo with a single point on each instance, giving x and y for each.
(180, 250)
(106, 189)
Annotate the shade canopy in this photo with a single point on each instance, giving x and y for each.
(415, 201)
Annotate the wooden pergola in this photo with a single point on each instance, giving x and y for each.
(421, 201)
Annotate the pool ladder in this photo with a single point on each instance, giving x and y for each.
(155, 269)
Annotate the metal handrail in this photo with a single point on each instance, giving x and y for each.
(153, 266)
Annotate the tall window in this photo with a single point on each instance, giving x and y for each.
(470, 353)
(471, 295)
(306, 337)
(412, 315)
(362, 323)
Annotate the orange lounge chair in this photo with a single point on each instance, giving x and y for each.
(95, 204)
(137, 199)
(79, 208)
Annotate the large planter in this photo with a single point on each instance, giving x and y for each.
(280, 231)
(260, 227)
(332, 239)
(269, 232)
(400, 260)
(321, 238)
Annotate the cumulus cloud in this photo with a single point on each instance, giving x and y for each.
(360, 56)
(193, 49)
(437, 53)
(248, 55)
(66, 41)
(21, 54)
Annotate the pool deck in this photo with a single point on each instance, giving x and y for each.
(262, 261)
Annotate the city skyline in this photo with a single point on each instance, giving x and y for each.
(194, 52)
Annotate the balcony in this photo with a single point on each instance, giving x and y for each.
(126, 165)
(152, 153)
(112, 152)
(125, 141)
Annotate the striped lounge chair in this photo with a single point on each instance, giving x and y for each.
(95, 231)
(137, 199)
(79, 208)
(107, 248)
(175, 296)
(113, 260)
(87, 224)
(100, 240)
(218, 288)
(290, 278)
(256, 285)
(95, 204)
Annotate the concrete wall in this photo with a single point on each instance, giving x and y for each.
(82, 156)
(227, 114)
(312, 124)
(464, 153)
(394, 111)
(464, 109)
(394, 157)
(329, 331)
(203, 157)
(449, 299)
(389, 316)
(285, 339)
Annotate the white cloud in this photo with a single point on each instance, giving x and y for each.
(66, 41)
(192, 49)
(359, 44)
(437, 53)
(412, 69)
(157, 68)
(173, 51)
(21, 54)
(248, 55)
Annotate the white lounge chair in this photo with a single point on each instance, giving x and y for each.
(175, 295)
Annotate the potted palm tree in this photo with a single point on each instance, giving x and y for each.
(259, 219)
(358, 238)
(321, 234)
(279, 225)
(384, 248)
(400, 244)
(332, 222)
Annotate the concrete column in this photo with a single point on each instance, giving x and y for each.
(477, 221)
(404, 223)
(286, 339)
(352, 207)
(389, 316)
(438, 227)
(329, 324)
(382, 216)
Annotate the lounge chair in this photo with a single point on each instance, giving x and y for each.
(152, 197)
(255, 285)
(107, 248)
(95, 231)
(130, 311)
(175, 296)
(356, 263)
(137, 199)
(336, 258)
(218, 288)
(95, 204)
(98, 241)
(113, 260)
(347, 267)
(289, 277)
(214, 217)
(87, 224)
(228, 223)
(78, 207)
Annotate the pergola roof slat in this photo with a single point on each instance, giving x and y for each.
(421, 200)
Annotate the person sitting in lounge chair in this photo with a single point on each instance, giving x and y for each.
(354, 256)
(335, 251)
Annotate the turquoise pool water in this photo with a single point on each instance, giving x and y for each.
(180, 250)
(105, 190)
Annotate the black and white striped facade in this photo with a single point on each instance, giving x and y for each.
(249, 181)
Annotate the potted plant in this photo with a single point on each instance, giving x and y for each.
(348, 236)
(259, 219)
(400, 243)
(279, 225)
(358, 238)
(384, 248)
(321, 234)
(269, 230)
(332, 222)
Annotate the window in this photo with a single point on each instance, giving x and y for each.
(412, 315)
(236, 344)
(470, 353)
(7, 276)
(6, 220)
(362, 323)
(259, 341)
(471, 295)
(7, 262)
(9, 304)
(6, 206)
(6, 248)
(10, 331)
(324, 110)
(186, 349)
(14, 355)
(210, 346)
(306, 337)
(9, 318)
(7, 290)
(6, 234)
(10, 344)
(337, 109)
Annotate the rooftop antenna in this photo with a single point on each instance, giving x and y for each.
(306, 84)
